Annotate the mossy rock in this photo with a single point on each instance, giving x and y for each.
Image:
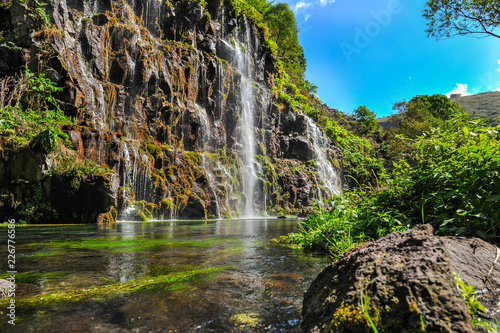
(142, 215)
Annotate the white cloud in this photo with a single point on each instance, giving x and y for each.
(498, 90)
(307, 17)
(301, 5)
(461, 89)
(325, 2)
(498, 69)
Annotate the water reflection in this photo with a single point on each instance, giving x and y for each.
(206, 276)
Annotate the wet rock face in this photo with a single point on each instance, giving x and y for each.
(36, 195)
(408, 277)
(156, 88)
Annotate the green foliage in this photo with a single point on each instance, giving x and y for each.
(423, 112)
(311, 87)
(475, 307)
(283, 31)
(457, 178)
(448, 18)
(36, 11)
(414, 118)
(470, 297)
(46, 140)
(366, 306)
(488, 326)
(454, 184)
(358, 158)
(78, 171)
(366, 118)
(351, 220)
(253, 9)
(36, 208)
(29, 111)
(278, 21)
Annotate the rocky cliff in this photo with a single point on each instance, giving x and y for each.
(174, 100)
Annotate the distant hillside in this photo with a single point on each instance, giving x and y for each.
(485, 105)
(386, 122)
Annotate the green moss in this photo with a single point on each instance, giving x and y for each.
(171, 170)
(166, 203)
(348, 316)
(153, 149)
(151, 207)
(194, 157)
(174, 280)
(142, 215)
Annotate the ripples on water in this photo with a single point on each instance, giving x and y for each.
(216, 276)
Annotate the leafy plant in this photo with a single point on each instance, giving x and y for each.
(46, 140)
(470, 297)
(29, 111)
(453, 183)
(78, 171)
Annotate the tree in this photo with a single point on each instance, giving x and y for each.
(414, 118)
(283, 30)
(448, 18)
(366, 118)
(311, 87)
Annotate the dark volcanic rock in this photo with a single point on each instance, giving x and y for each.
(155, 88)
(409, 278)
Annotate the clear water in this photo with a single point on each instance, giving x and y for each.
(216, 276)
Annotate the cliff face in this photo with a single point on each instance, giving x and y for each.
(174, 99)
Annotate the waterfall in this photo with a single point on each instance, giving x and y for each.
(205, 126)
(209, 170)
(247, 95)
(135, 178)
(326, 170)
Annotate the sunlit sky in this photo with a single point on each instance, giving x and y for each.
(376, 52)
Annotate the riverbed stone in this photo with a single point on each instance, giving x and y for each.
(5, 286)
(406, 279)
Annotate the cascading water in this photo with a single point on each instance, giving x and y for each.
(233, 153)
(245, 68)
(205, 125)
(328, 174)
(135, 176)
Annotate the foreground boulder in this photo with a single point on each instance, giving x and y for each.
(406, 281)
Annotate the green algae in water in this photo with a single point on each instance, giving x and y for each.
(47, 254)
(33, 277)
(173, 281)
(117, 244)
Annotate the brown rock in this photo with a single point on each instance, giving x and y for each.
(409, 278)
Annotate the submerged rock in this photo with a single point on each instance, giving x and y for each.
(407, 282)
(5, 286)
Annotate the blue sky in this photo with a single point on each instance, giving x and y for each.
(376, 52)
